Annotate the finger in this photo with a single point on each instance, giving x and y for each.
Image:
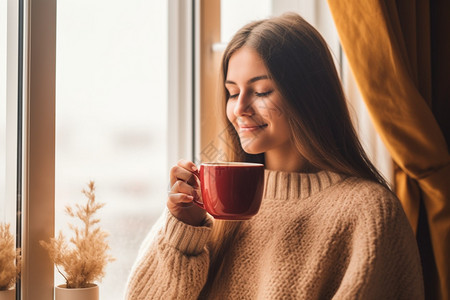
(182, 187)
(181, 173)
(180, 199)
(187, 164)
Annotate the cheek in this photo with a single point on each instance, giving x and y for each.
(230, 112)
(268, 108)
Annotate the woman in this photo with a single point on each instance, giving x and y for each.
(328, 226)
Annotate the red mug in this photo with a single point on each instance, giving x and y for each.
(231, 190)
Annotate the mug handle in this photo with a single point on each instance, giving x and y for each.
(198, 203)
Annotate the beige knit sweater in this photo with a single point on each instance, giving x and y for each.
(316, 236)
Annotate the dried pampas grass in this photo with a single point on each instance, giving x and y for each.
(9, 259)
(83, 261)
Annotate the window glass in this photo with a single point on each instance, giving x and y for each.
(3, 27)
(111, 120)
(235, 13)
(8, 121)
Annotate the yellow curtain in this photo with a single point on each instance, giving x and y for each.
(399, 53)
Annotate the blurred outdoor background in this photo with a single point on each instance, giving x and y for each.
(111, 120)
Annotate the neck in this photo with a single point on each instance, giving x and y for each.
(287, 160)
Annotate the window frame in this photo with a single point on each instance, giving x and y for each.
(14, 96)
(37, 280)
(208, 124)
(181, 82)
(39, 144)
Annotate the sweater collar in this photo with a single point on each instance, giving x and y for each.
(286, 185)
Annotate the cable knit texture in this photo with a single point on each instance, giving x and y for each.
(316, 236)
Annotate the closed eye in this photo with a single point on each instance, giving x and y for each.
(265, 94)
(233, 96)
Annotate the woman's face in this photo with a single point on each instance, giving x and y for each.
(254, 105)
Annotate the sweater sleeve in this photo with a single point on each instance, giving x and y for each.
(172, 263)
(383, 258)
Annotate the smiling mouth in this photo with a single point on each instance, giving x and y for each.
(252, 128)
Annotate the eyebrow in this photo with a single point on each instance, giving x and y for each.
(252, 80)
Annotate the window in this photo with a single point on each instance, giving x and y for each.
(233, 19)
(8, 114)
(116, 94)
(11, 119)
(5, 211)
(105, 85)
(111, 120)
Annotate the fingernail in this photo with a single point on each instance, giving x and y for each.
(190, 197)
(194, 168)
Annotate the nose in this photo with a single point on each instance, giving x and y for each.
(244, 106)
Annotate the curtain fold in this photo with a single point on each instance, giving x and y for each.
(397, 52)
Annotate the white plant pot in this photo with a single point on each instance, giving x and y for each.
(8, 295)
(88, 293)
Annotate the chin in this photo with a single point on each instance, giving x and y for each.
(252, 152)
(252, 149)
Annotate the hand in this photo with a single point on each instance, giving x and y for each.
(184, 187)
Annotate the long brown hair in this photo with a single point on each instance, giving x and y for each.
(301, 66)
